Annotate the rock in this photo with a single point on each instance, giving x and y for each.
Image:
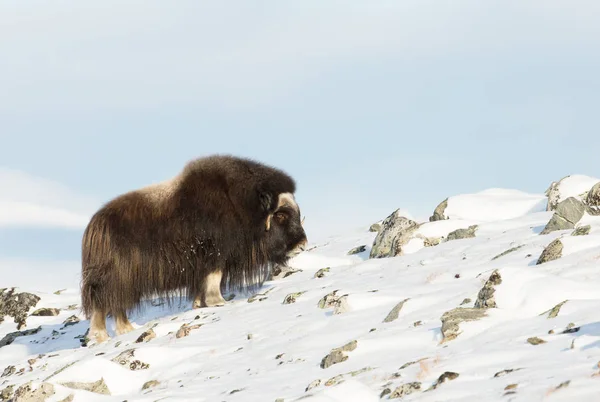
(566, 215)
(329, 300)
(535, 341)
(395, 232)
(16, 305)
(429, 241)
(395, 312)
(46, 312)
(146, 336)
(552, 252)
(7, 393)
(459, 234)
(125, 358)
(26, 393)
(553, 313)
(321, 273)
(438, 213)
(72, 320)
(405, 389)
(582, 230)
(338, 355)
(10, 338)
(465, 301)
(282, 271)
(485, 298)
(98, 387)
(313, 384)
(69, 398)
(150, 384)
(447, 376)
(592, 200)
(451, 320)
(376, 227)
(358, 250)
(577, 186)
(291, 298)
(185, 330)
(341, 305)
(510, 250)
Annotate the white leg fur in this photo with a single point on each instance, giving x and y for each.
(98, 331)
(211, 295)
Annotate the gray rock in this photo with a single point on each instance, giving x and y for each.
(10, 338)
(438, 213)
(358, 250)
(452, 319)
(553, 313)
(291, 298)
(150, 384)
(16, 305)
(395, 312)
(376, 227)
(552, 252)
(46, 312)
(566, 215)
(98, 387)
(321, 273)
(462, 233)
(592, 200)
(485, 298)
(447, 376)
(582, 230)
(26, 393)
(395, 232)
(510, 250)
(7, 393)
(329, 300)
(405, 389)
(313, 385)
(146, 336)
(338, 355)
(341, 305)
(553, 194)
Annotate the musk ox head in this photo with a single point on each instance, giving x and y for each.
(285, 236)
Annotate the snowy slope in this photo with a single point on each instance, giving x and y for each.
(262, 349)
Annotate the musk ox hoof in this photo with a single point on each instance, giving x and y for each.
(99, 337)
(210, 302)
(121, 330)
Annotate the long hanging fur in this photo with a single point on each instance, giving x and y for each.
(165, 239)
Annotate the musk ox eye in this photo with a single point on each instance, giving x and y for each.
(280, 216)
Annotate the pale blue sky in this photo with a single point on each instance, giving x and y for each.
(370, 105)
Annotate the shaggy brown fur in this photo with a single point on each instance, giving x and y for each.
(222, 222)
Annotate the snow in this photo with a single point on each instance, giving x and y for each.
(265, 350)
(575, 185)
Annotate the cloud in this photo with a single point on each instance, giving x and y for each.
(29, 201)
(147, 54)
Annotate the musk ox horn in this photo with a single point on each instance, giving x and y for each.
(197, 233)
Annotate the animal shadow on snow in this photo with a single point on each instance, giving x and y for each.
(592, 329)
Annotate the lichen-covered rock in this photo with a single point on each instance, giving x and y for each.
(405, 389)
(464, 233)
(592, 200)
(395, 232)
(321, 272)
(329, 300)
(447, 376)
(438, 213)
(358, 250)
(582, 230)
(16, 305)
(146, 336)
(97, 387)
(150, 384)
(552, 252)
(485, 298)
(376, 227)
(27, 393)
(341, 305)
(577, 186)
(338, 355)
(566, 215)
(452, 319)
(553, 312)
(395, 312)
(510, 250)
(46, 312)
(7, 393)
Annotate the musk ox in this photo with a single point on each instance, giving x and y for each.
(223, 221)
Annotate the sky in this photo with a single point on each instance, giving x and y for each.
(370, 106)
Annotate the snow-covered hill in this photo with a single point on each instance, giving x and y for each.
(484, 313)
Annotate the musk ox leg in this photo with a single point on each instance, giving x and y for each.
(211, 294)
(123, 324)
(98, 327)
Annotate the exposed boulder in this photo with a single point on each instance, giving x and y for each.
(358, 250)
(438, 213)
(575, 186)
(592, 200)
(566, 215)
(376, 227)
(338, 355)
(10, 338)
(16, 305)
(582, 230)
(462, 233)
(552, 252)
(452, 319)
(485, 298)
(395, 232)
